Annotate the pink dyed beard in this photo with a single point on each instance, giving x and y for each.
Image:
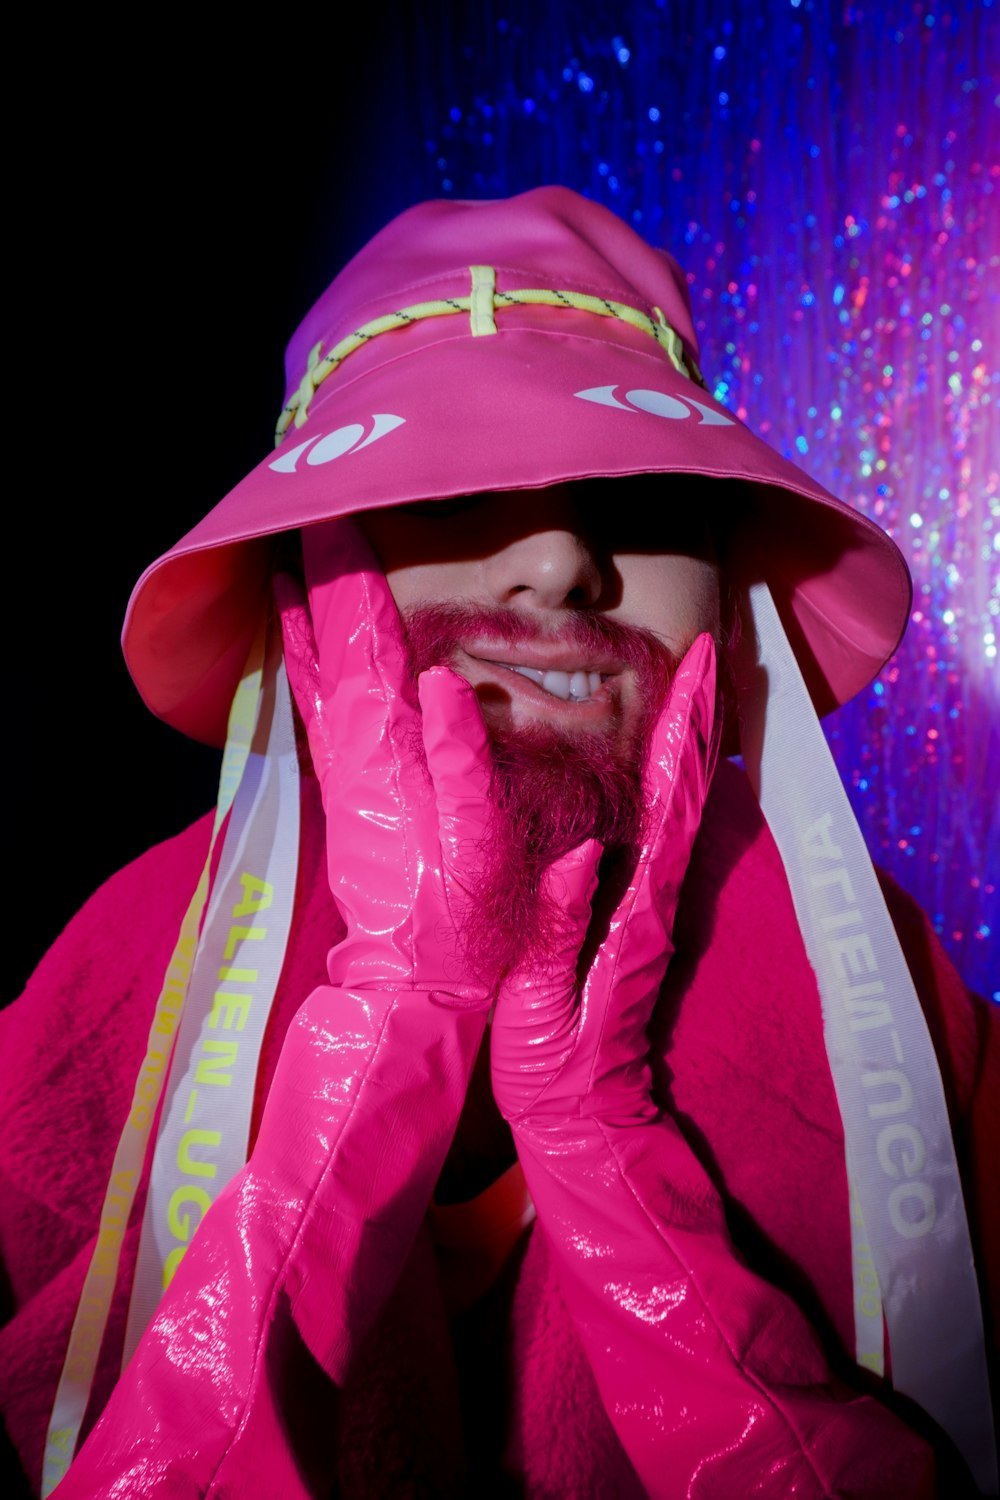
(550, 790)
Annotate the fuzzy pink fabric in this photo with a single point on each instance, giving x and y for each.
(505, 1390)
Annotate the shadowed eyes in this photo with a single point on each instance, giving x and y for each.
(440, 509)
(655, 513)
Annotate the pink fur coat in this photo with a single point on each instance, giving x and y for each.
(499, 1400)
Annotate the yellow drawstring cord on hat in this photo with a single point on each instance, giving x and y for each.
(481, 305)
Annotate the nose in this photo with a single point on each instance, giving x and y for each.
(549, 564)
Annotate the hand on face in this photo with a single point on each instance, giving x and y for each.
(561, 1049)
(405, 787)
(568, 609)
(551, 631)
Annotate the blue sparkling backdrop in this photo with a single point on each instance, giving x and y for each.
(830, 180)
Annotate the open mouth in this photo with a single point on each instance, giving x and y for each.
(558, 681)
(577, 686)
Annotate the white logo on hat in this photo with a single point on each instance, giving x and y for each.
(325, 447)
(657, 404)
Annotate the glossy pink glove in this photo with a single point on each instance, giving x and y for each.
(402, 838)
(713, 1379)
(305, 1244)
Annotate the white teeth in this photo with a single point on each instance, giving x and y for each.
(574, 686)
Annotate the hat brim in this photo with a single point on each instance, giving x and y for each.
(550, 398)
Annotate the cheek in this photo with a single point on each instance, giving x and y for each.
(411, 580)
(677, 596)
(422, 583)
(423, 561)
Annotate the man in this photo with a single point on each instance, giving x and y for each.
(547, 1184)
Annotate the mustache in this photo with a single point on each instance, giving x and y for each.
(434, 631)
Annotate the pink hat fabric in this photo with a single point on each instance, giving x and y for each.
(460, 383)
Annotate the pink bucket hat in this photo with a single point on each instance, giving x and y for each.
(494, 345)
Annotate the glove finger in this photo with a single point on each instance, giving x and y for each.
(301, 655)
(686, 721)
(363, 666)
(381, 825)
(633, 958)
(567, 887)
(458, 759)
(537, 1018)
(684, 749)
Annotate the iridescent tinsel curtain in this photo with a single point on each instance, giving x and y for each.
(830, 181)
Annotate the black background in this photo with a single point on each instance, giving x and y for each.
(180, 201)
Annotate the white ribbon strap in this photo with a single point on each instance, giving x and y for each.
(900, 1153)
(205, 1126)
(80, 1365)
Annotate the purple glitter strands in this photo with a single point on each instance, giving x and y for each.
(830, 181)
